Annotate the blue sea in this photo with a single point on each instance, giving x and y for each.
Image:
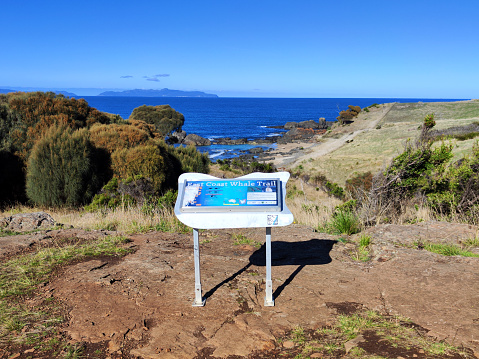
(240, 117)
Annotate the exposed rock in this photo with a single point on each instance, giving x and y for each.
(177, 137)
(255, 150)
(229, 141)
(196, 140)
(290, 125)
(308, 124)
(321, 124)
(353, 343)
(27, 222)
(300, 134)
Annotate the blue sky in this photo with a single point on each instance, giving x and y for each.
(412, 49)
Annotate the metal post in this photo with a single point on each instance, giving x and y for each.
(268, 299)
(199, 302)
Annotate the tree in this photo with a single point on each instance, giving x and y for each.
(33, 113)
(62, 169)
(165, 119)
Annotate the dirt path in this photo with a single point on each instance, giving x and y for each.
(140, 306)
(291, 154)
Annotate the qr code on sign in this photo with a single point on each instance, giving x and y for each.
(272, 220)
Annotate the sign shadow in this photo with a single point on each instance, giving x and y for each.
(312, 252)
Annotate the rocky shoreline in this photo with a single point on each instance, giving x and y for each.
(303, 131)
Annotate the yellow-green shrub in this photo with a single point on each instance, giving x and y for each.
(114, 137)
(147, 161)
(62, 168)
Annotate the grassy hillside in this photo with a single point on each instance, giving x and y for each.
(372, 148)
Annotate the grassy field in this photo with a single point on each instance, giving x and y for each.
(373, 149)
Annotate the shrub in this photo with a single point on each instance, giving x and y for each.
(190, 158)
(146, 161)
(163, 117)
(12, 179)
(344, 222)
(115, 137)
(34, 113)
(334, 189)
(346, 116)
(62, 169)
(359, 182)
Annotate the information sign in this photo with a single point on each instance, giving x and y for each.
(254, 200)
(231, 195)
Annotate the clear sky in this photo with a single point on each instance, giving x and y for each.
(245, 48)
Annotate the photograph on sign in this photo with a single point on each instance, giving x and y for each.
(231, 195)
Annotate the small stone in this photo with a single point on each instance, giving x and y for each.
(316, 355)
(29, 351)
(112, 346)
(288, 344)
(353, 342)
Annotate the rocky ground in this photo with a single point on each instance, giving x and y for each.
(140, 306)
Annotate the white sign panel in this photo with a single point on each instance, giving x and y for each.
(254, 200)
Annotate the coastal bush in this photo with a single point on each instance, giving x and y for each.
(343, 222)
(190, 158)
(347, 115)
(163, 117)
(62, 169)
(423, 175)
(360, 182)
(146, 161)
(334, 189)
(113, 137)
(240, 166)
(33, 113)
(12, 179)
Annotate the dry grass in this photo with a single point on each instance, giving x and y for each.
(309, 206)
(128, 219)
(373, 149)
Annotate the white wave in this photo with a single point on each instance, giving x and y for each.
(217, 154)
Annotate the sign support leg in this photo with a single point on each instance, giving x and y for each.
(268, 299)
(199, 301)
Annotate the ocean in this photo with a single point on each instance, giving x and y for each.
(240, 117)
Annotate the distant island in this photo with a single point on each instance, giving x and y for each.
(157, 93)
(64, 93)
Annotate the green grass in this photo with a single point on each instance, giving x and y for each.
(241, 239)
(20, 275)
(362, 253)
(471, 243)
(342, 222)
(393, 331)
(448, 250)
(6, 232)
(20, 278)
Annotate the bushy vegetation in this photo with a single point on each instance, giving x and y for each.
(113, 137)
(27, 116)
(346, 116)
(423, 174)
(69, 150)
(63, 169)
(163, 117)
(239, 166)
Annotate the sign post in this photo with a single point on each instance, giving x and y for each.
(254, 200)
(199, 301)
(268, 299)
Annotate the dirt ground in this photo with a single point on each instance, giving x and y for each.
(140, 306)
